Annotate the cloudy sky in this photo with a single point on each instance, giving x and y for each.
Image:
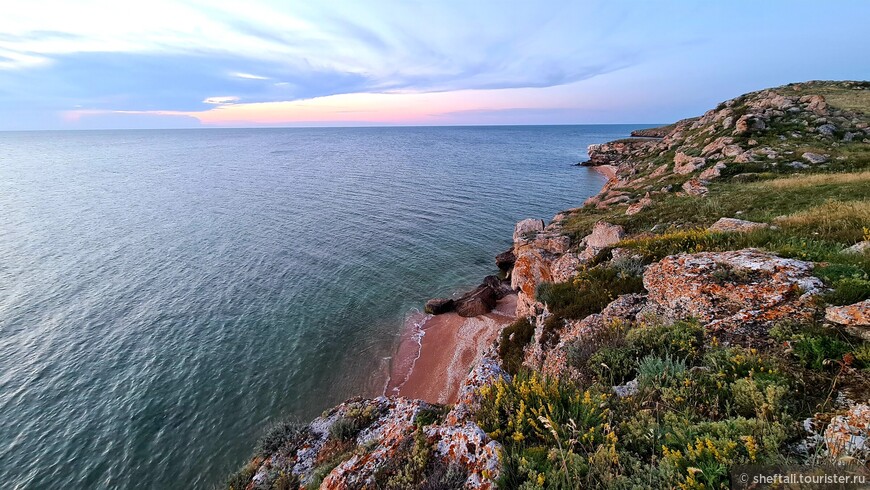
(161, 63)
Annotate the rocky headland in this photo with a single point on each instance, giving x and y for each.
(709, 308)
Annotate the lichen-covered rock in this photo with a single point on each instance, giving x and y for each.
(736, 225)
(712, 173)
(471, 448)
(695, 187)
(528, 227)
(744, 291)
(855, 318)
(604, 235)
(846, 435)
(684, 164)
(487, 372)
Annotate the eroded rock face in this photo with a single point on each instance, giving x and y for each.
(744, 291)
(735, 225)
(846, 435)
(505, 260)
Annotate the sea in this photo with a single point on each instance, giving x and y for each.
(167, 295)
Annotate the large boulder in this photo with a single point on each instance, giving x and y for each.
(743, 291)
(604, 235)
(479, 301)
(501, 288)
(735, 225)
(437, 306)
(527, 228)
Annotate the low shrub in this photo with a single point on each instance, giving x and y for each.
(357, 417)
(512, 342)
(815, 351)
(589, 292)
(681, 340)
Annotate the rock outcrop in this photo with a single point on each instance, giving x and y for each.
(855, 318)
(847, 435)
(734, 225)
(740, 291)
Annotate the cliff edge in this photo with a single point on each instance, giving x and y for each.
(709, 308)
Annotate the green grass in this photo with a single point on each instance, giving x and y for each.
(512, 340)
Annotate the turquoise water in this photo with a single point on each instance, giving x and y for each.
(165, 295)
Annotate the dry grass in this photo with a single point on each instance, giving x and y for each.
(819, 179)
(841, 220)
(835, 95)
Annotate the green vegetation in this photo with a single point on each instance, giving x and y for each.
(512, 340)
(590, 291)
(700, 408)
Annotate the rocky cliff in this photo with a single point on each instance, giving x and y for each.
(708, 308)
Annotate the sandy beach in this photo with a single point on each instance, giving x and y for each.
(608, 171)
(437, 352)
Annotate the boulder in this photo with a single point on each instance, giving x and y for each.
(684, 164)
(694, 187)
(858, 248)
(639, 206)
(505, 260)
(749, 123)
(437, 306)
(856, 318)
(479, 301)
(604, 235)
(814, 158)
(711, 173)
(527, 228)
(735, 225)
(501, 288)
(846, 435)
(744, 291)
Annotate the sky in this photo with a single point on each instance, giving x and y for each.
(106, 64)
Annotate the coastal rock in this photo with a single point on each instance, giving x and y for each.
(735, 225)
(527, 228)
(685, 164)
(748, 124)
(486, 373)
(500, 287)
(744, 291)
(479, 301)
(855, 317)
(565, 267)
(604, 235)
(437, 306)
(814, 158)
(505, 260)
(694, 187)
(846, 435)
(470, 448)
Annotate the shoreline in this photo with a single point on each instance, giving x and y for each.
(436, 352)
(608, 171)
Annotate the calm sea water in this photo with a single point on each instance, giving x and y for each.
(165, 295)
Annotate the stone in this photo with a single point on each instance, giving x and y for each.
(639, 206)
(694, 187)
(684, 164)
(712, 172)
(744, 291)
(437, 306)
(527, 227)
(846, 435)
(749, 123)
(624, 308)
(501, 288)
(855, 317)
(826, 129)
(505, 260)
(629, 388)
(815, 103)
(814, 158)
(479, 301)
(732, 150)
(487, 372)
(858, 248)
(716, 145)
(736, 225)
(604, 235)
